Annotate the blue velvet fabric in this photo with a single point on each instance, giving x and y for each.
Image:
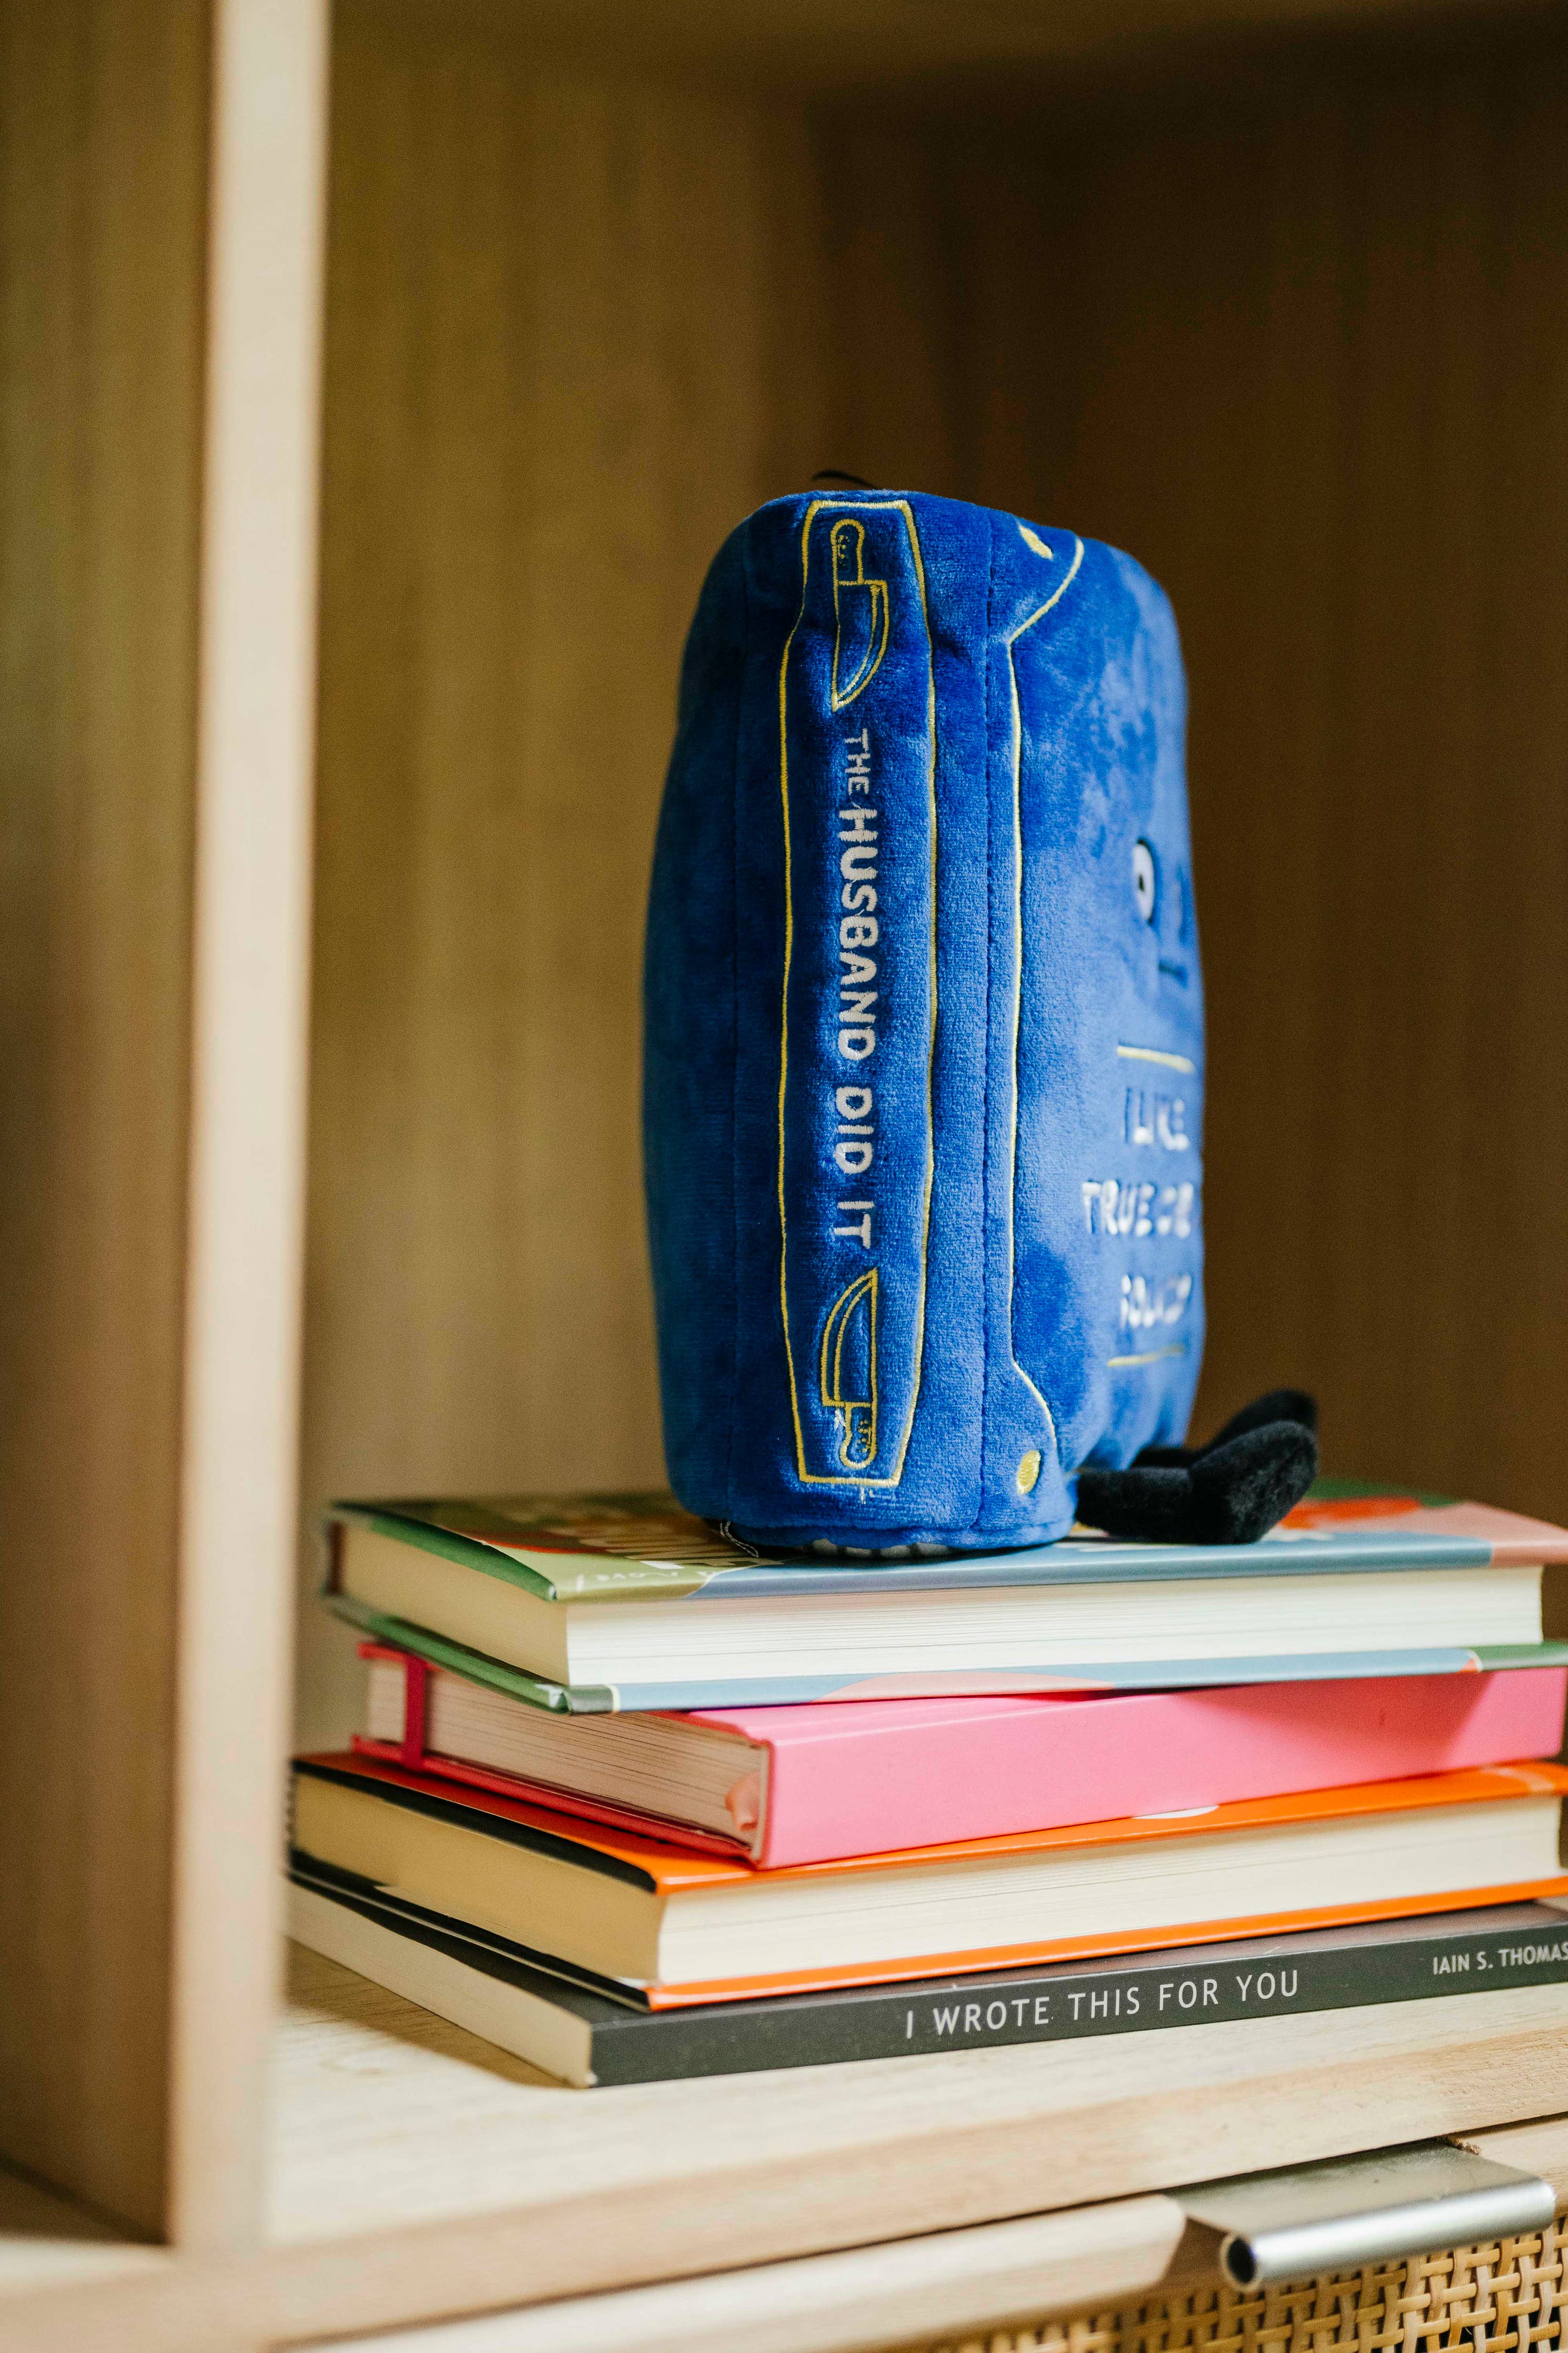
(923, 1060)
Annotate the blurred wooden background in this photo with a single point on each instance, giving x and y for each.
(1299, 347)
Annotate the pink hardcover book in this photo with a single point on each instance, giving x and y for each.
(816, 1783)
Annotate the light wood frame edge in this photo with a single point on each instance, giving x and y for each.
(585, 2246)
(245, 1242)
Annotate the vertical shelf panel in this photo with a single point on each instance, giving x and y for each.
(156, 638)
(250, 998)
(103, 140)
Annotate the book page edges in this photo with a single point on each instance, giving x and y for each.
(542, 1794)
(425, 1535)
(590, 1577)
(670, 1870)
(534, 1690)
(1143, 1940)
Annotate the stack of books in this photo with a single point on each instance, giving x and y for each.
(635, 1804)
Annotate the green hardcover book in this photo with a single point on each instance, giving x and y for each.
(590, 1603)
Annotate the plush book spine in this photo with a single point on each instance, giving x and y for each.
(459, 1971)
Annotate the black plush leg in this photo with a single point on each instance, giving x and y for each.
(1232, 1491)
(1279, 1405)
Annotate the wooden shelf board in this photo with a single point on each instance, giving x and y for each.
(967, 2283)
(46, 2242)
(962, 2281)
(932, 44)
(1539, 2147)
(387, 2119)
(419, 2174)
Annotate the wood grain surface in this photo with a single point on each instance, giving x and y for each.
(907, 2292)
(102, 129)
(418, 2172)
(250, 990)
(156, 704)
(367, 2086)
(948, 56)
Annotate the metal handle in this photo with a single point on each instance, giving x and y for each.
(1336, 2216)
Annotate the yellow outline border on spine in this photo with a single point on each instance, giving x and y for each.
(855, 506)
(1037, 615)
(834, 1332)
(870, 662)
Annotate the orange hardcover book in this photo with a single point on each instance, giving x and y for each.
(685, 1927)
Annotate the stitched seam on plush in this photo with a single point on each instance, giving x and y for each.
(1015, 781)
(735, 1033)
(978, 1521)
(905, 507)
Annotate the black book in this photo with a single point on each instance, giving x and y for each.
(585, 2030)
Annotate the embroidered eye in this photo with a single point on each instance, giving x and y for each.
(1143, 880)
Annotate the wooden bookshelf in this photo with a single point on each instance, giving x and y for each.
(416, 2171)
(378, 382)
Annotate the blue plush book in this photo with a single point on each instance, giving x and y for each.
(924, 1028)
(592, 1603)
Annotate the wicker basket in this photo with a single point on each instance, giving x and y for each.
(1483, 2299)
